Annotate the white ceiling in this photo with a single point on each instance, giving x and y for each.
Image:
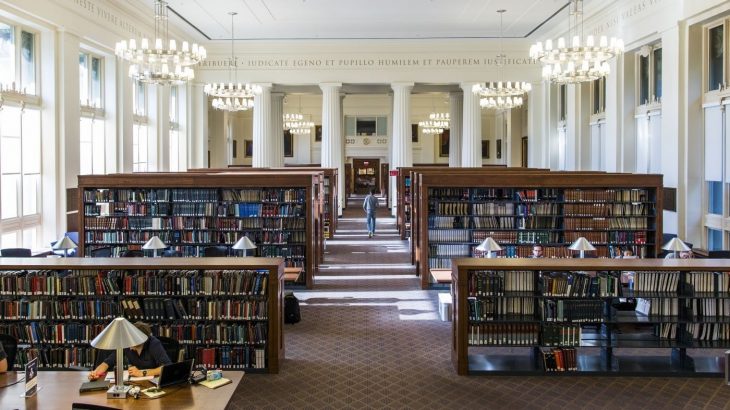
(365, 19)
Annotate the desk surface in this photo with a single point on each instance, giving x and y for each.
(441, 275)
(60, 389)
(291, 274)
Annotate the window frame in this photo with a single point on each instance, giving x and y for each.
(706, 55)
(19, 98)
(91, 110)
(653, 102)
(140, 120)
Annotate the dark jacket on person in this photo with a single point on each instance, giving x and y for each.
(153, 356)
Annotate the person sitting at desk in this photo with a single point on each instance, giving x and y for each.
(144, 360)
(537, 251)
(682, 255)
(3, 360)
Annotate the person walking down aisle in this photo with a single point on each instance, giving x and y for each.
(370, 205)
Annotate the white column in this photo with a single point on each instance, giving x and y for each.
(471, 133)
(197, 129)
(671, 122)
(614, 143)
(538, 133)
(402, 155)
(277, 129)
(262, 146)
(456, 110)
(332, 140)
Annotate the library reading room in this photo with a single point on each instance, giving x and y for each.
(343, 204)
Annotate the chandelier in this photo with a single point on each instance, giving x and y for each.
(163, 63)
(436, 123)
(501, 95)
(579, 62)
(232, 96)
(294, 122)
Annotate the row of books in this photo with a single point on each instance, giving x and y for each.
(58, 357)
(449, 193)
(514, 193)
(561, 334)
(194, 309)
(501, 308)
(230, 357)
(290, 251)
(195, 282)
(560, 359)
(569, 284)
(451, 250)
(714, 282)
(537, 222)
(62, 283)
(52, 333)
(241, 195)
(486, 334)
(450, 235)
(566, 310)
(499, 236)
(707, 308)
(496, 283)
(74, 309)
(128, 195)
(492, 222)
(604, 224)
(709, 331)
(656, 282)
(249, 333)
(453, 208)
(606, 195)
(659, 307)
(494, 208)
(537, 209)
(608, 210)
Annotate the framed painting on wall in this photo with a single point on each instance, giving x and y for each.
(524, 151)
(414, 132)
(248, 147)
(317, 133)
(444, 144)
(499, 149)
(288, 144)
(234, 148)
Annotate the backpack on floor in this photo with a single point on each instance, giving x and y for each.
(291, 308)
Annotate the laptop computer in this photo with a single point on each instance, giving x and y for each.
(174, 373)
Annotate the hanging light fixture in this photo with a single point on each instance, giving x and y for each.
(501, 95)
(578, 62)
(436, 123)
(294, 122)
(233, 96)
(162, 62)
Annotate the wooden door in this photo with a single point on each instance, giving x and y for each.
(366, 175)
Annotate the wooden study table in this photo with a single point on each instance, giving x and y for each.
(60, 389)
(292, 274)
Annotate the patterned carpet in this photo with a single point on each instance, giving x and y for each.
(370, 338)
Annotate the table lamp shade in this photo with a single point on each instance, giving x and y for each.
(489, 245)
(676, 245)
(244, 243)
(154, 243)
(581, 244)
(65, 243)
(119, 334)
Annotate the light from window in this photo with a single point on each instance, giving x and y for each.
(10, 161)
(716, 53)
(643, 80)
(139, 148)
(175, 151)
(95, 81)
(658, 73)
(31, 122)
(563, 103)
(714, 197)
(714, 239)
(7, 55)
(91, 141)
(27, 62)
(139, 99)
(84, 79)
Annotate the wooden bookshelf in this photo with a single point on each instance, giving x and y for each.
(330, 192)
(520, 209)
(349, 189)
(181, 298)
(191, 211)
(525, 305)
(404, 189)
(411, 204)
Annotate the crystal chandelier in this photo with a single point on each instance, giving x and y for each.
(294, 122)
(579, 62)
(436, 123)
(232, 96)
(163, 63)
(501, 95)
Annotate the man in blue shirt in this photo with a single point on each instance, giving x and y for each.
(146, 359)
(370, 206)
